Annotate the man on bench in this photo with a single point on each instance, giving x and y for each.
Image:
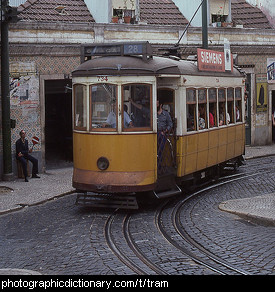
(22, 154)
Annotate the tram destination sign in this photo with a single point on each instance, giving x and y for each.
(115, 49)
(214, 61)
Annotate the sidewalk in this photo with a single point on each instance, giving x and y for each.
(54, 183)
(16, 194)
(259, 151)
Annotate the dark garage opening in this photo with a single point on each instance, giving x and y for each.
(58, 122)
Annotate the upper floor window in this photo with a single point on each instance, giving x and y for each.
(124, 11)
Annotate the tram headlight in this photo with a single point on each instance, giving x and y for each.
(102, 163)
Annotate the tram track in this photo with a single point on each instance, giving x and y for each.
(206, 258)
(182, 232)
(128, 253)
(168, 223)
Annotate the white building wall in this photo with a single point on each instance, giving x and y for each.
(16, 3)
(100, 10)
(188, 8)
(268, 8)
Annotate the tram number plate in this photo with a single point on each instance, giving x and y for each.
(133, 49)
(102, 78)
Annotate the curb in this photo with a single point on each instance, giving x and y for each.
(21, 206)
(256, 209)
(9, 272)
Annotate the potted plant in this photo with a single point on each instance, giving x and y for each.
(127, 16)
(115, 19)
(127, 13)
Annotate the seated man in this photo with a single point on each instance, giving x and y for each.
(22, 154)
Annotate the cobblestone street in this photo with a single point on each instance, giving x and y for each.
(59, 238)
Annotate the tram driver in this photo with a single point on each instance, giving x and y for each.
(143, 113)
(111, 119)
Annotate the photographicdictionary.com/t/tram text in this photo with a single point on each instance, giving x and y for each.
(81, 283)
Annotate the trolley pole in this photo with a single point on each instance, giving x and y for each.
(204, 25)
(5, 93)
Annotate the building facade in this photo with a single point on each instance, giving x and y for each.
(45, 49)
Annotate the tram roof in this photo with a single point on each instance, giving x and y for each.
(137, 66)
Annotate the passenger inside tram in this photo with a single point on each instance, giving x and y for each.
(212, 92)
(211, 115)
(141, 113)
(111, 119)
(202, 110)
(191, 109)
(138, 97)
(230, 107)
(201, 118)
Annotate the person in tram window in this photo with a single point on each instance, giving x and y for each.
(211, 117)
(22, 154)
(128, 123)
(237, 114)
(164, 120)
(111, 119)
(201, 119)
(228, 119)
(142, 115)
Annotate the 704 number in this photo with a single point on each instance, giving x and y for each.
(102, 78)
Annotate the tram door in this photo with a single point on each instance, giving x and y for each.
(166, 159)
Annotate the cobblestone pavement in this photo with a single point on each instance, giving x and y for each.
(59, 238)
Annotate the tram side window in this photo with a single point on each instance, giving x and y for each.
(103, 106)
(222, 108)
(212, 95)
(191, 109)
(202, 112)
(137, 107)
(230, 104)
(238, 104)
(80, 107)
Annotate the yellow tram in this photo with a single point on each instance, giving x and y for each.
(115, 121)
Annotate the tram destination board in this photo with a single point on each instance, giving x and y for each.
(117, 49)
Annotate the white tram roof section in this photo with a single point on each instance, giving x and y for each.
(136, 66)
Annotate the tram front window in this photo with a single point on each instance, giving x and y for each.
(80, 109)
(136, 107)
(103, 106)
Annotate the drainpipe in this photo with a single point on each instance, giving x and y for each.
(204, 25)
(5, 93)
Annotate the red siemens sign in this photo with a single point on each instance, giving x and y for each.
(209, 60)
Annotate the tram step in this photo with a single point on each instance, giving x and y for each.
(168, 193)
(90, 199)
